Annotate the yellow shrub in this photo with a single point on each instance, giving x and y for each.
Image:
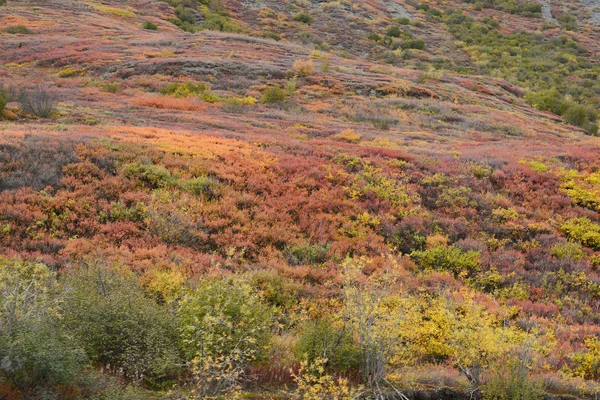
(304, 68)
(313, 383)
(69, 72)
(588, 363)
(167, 284)
(348, 135)
(119, 12)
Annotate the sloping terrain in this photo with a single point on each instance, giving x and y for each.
(283, 146)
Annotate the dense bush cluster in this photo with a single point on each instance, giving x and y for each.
(554, 69)
(524, 8)
(58, 330)
(196, 15)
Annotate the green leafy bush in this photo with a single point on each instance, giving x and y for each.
(273, 94)
(524, 8)
(303, 17)
(223, 315)
(17, 30)
(590, 127)
(447, 258)
(417, 44)
(320, 340)
(547, 100)
(40, 356)
(2, 103)
(36, 352)
(272, 35)
(276, 290)
(111, 87)
(150, 26)
(184, 89)
(393, 31)
(568, 22)
(300, 254)
(512, 383)
(575, 115)
(567, 250)
(204, 186)
(587, 363)
(149, 175)
(185, 15)
(118, 326)
(402, 21)
(219, 22)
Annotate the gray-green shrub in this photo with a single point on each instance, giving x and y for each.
(118, 326)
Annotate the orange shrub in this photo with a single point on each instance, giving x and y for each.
(348, 135)
(304, 68)
(190, 103)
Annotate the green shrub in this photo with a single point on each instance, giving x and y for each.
(70, 72)
(393, 31)
(272, 35)
(118, 326)
(40, 356)
(149, 175)
(204, 186)
(320, 340)
(17, 30)
(276, 290)
(423, 7)
(418, 44)
(26, 291)
(512, 383)
(447, 258)
(300, 254)
(567, 250)
(303, 17)
(584, 231)
(184, 89)
(2, 103)
(575, 115)
(402, 21)
(3, 2)
(36, 351)
(218, 22)
(547, 100)
(273, 94)
(210, 97)
(185, 15)
(222, 316)
(374, 36)
(568, 22)
(150, 26)
(592, 113)
(111, 87)
(590, 127)
(434, 12)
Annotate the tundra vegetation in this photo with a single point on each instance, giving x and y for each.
(296, 199)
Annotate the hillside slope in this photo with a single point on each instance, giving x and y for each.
(442, 154)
